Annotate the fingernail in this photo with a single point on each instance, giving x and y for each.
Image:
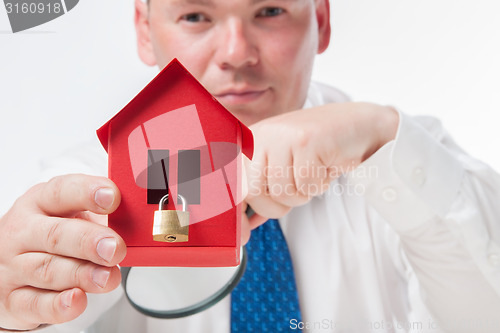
(106, 248)
(67, 298)
(100, 276)
(104, 197)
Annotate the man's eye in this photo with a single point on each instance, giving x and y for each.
(194, 17)
(270, 11)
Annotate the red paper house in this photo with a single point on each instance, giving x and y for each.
(175, 138)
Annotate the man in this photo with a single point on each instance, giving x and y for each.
(415, 249)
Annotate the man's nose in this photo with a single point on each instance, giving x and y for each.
(237, 47)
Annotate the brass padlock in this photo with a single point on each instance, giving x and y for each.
(171, 225)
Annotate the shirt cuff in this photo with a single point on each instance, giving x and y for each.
(411, 179)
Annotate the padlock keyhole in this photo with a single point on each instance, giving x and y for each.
(170, 238)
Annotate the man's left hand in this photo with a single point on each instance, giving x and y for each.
(298, 154)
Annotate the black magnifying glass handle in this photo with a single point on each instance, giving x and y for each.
(249, 212)
(197, 307)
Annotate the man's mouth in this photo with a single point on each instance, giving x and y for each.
(239, 96)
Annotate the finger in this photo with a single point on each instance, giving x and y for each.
(52, 272)
(67, 195)
(256, 220)
(248, 224)
(253, 218)
(33, 307)
(266, 207)
(72, 238)
(250, 221)
(281, 180)
(311, 175)
(93, 217)
(258, 197)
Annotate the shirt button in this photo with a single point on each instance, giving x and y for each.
(389, 194)
(418, 176)
(494, 259)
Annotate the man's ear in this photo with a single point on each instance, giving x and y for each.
(324, 29)
(144, 45)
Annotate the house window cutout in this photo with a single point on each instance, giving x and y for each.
(157, 174)
(188, 177)
(189, 164)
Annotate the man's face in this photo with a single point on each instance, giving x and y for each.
(254, 56)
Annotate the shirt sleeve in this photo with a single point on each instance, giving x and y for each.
(444, 205)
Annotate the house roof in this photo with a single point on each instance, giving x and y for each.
(139, 100)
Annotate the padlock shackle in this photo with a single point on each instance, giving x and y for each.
(165, 198)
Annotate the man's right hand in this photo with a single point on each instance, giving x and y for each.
(54, 247)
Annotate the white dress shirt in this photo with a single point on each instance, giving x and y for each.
(407, 242)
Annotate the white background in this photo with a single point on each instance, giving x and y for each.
(60, 81)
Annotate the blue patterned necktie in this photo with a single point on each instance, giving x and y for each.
(266, 299)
